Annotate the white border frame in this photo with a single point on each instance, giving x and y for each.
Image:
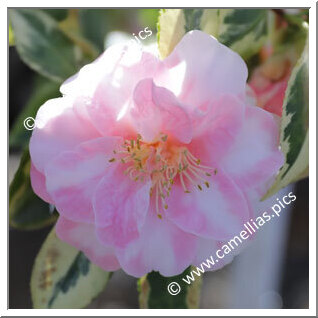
(312, 161)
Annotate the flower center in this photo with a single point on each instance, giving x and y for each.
(163, 161)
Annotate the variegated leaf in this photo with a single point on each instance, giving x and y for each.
(153, 291)
(63, 277)
(243, 30)
(294, 138)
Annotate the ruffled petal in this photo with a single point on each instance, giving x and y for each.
(113, 95)
(161, 246)
(255, 156)
(157, 110)
(201, 69)
(217, 212)
(120, 206)
(83, 237)
(85, 82)
(216, 128)
(73, 176)
(59, 127)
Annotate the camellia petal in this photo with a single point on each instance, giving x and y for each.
(73, 176)
(120, 210)
(113, 96)
(216, 211)
(74, 232)
(157, 111)
(255, 156)
(161, 246)
(38, 184)
(59, 127)
(201, 69)
(210, 255)
(216, 128)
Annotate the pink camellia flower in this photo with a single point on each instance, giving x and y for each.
(152, 164)
(269, 83)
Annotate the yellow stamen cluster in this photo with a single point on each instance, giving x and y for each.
(163, 162)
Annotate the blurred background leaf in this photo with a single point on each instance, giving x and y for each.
(63, 277)
(26, 210)
(56, 14)
(41, 44)
(57, 42)
(43, 90)
(192, 19)
(244, 31)
(95, 24)
(148, 17)
(290, 35)
(72, 29)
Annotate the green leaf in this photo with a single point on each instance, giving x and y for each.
(153, 291)
(26, 210)
(243, 30)
(193, 19)
(42, 45)
(95, 24)
(71, 28)
(294, 127)
(42, 91)
(56, 14)
(63, 277)
(148, 17)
